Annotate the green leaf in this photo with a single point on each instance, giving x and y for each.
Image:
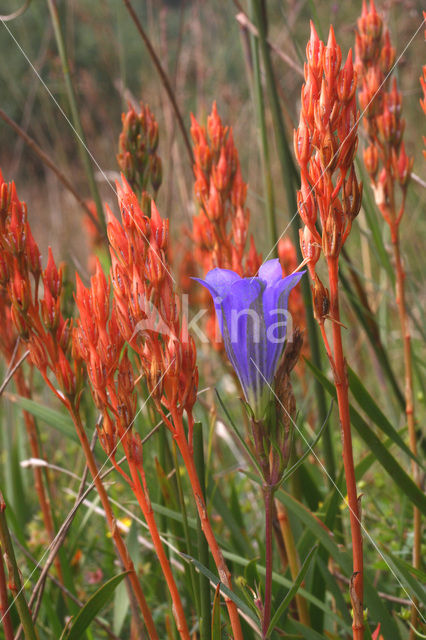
(92, 607)
(238, 434)
(290, 595)
(305, 632)
(279, 579)
(311, 446)
(414, 588)
(215, 581)
(121, 598)
(371, 408)
(216, 630)
(56, 419)
(343, 559)
(388, 462)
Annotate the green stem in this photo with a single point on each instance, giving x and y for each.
(266, 165)
(203, 547)
(14, 577)
(75, 116)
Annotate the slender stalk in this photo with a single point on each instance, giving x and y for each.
(75, 115)
(163, 77)
(293, 560)
(141, 494)
(224, 573)
(4, 604)
(203, 548)
(15, 584)
(341, 383)
(409, 404)
(118, 540)
(266, 165)
(268, 498)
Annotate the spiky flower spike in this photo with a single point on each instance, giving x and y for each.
(220, 231)
(48, 336)
(148, 319)
(112, 380)
(389, 168)
(137, 154)
(38, 320)
(325, 143)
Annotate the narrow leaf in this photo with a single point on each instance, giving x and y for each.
(388, 462)
(224, 590)
(371, 408)
(290, 595)
(56, 419)
(238, 434)
(92, 607)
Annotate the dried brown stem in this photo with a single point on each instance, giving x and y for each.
(49, 163)
(163, 77)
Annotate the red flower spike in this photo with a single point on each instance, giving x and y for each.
(65, 375)
(347, 80)
(20, 291)
(100, 295)
(37, 352)
(314, 51)
(32, 254)
(4, 271)
(52, 277)
(137, 155)
(50, 311)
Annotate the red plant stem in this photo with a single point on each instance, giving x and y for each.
(268, 498)
(43, 499)
(4, 604)
(148, 513)
(118, 540)
(409, 400)
(224, 574)
(341, 384)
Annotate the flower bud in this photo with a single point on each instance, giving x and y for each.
(37, 352)
(65, 375)
(156, 171)
(371, 160)
(320, 299)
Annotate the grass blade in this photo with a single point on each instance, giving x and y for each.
(388, 462)
(290, 595)
(92, 607)
(371, 408)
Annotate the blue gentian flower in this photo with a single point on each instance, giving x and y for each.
(252, 315)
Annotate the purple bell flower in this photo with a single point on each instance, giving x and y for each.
(253, 317)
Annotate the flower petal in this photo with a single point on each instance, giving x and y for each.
(242, 325)
(271, 271)
(275, 304)
(219, 281)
